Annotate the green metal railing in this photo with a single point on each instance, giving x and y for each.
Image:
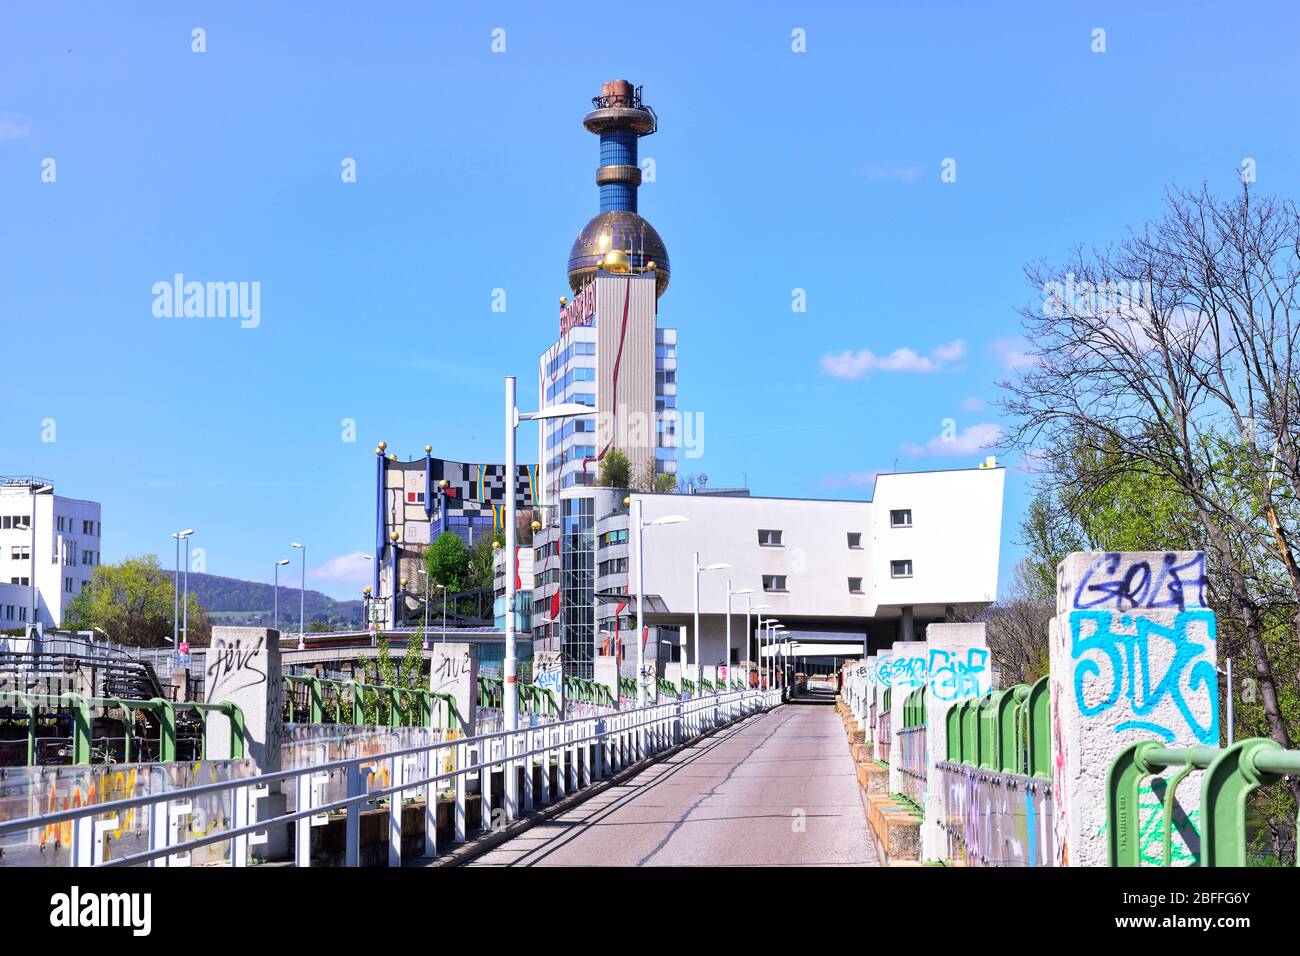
(707, 684)
(914, 709)
(79, 707)
(688, 686)
(667, 687)
(538, 700)
(1006, 731)
(421, 715)
(1231, 775)
(586, 689)
(627, 687)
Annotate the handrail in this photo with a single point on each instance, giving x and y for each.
(82, 726)
(653, 727)
(1231, 775)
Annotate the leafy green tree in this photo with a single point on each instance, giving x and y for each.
(615, 469)
(479, 574)
(446, 561)
(132, 603)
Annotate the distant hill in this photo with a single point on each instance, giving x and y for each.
(234, 601)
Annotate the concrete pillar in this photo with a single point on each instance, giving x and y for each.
(904, 673)
(605, 671)
(243, 667)
(548, 674)
(453, 670)
(877, 664)
(1133, 657)
(957, 669)
(906, 631)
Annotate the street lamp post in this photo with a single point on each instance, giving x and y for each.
(726, 656)
(750, 636)
(302, 598)
(699, 667)
(176, 586)
(425, 634)
(775, 649)
(279, 564)
(639, 524)
(513, 418)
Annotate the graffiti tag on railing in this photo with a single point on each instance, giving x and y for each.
(951, 678)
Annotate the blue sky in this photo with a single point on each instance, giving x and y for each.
(775, 171)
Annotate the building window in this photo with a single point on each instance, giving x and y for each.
(20, 552)
(769, 539)
(855, 585)
(900, 518)
(67, 585)
(900, 569)
(23, 582)
(855, 540)
(774, 582)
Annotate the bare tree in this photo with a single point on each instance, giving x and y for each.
(1172, 353)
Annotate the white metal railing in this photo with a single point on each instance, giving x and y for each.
(583, 750)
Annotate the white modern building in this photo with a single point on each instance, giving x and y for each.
(49, 547)
(858, 575)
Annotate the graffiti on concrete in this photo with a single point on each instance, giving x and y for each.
(1120, 582)
(1119, 660)
(233, 666)
(905, 672)
(951, 678)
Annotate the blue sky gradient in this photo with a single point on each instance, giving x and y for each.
(774, 171)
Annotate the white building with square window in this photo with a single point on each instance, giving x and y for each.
(49, 547)
(859, 573)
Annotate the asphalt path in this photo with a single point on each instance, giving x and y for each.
(779, 789)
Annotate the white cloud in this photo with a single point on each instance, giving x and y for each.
(857, 364)
(973, 404)
(973, 440)
(350, 568)
(12, 129)
(1013, 353)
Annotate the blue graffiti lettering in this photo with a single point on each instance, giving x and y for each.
(902, 672)
(1128, 658)
(1110, 582)
(954, 679)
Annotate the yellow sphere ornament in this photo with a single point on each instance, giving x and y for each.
(616, 261)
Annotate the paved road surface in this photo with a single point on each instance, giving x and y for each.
(729, 800)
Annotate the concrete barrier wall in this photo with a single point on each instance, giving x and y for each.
(957, 669)
(1133, 657)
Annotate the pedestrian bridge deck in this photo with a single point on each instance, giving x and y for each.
(779, 788)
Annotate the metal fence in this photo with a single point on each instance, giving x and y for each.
(581, 751)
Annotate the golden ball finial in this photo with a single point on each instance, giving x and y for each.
(379, 451)
(627, 502)
(496, 545)
(428, 449)
(651, 265)
(616, 261)
(383, 446)
(403, 582)
(392, 456)
(393, 536)
(564, 300)
(537, 526)
(444, 484)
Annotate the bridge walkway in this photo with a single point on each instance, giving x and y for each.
(777, 789)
